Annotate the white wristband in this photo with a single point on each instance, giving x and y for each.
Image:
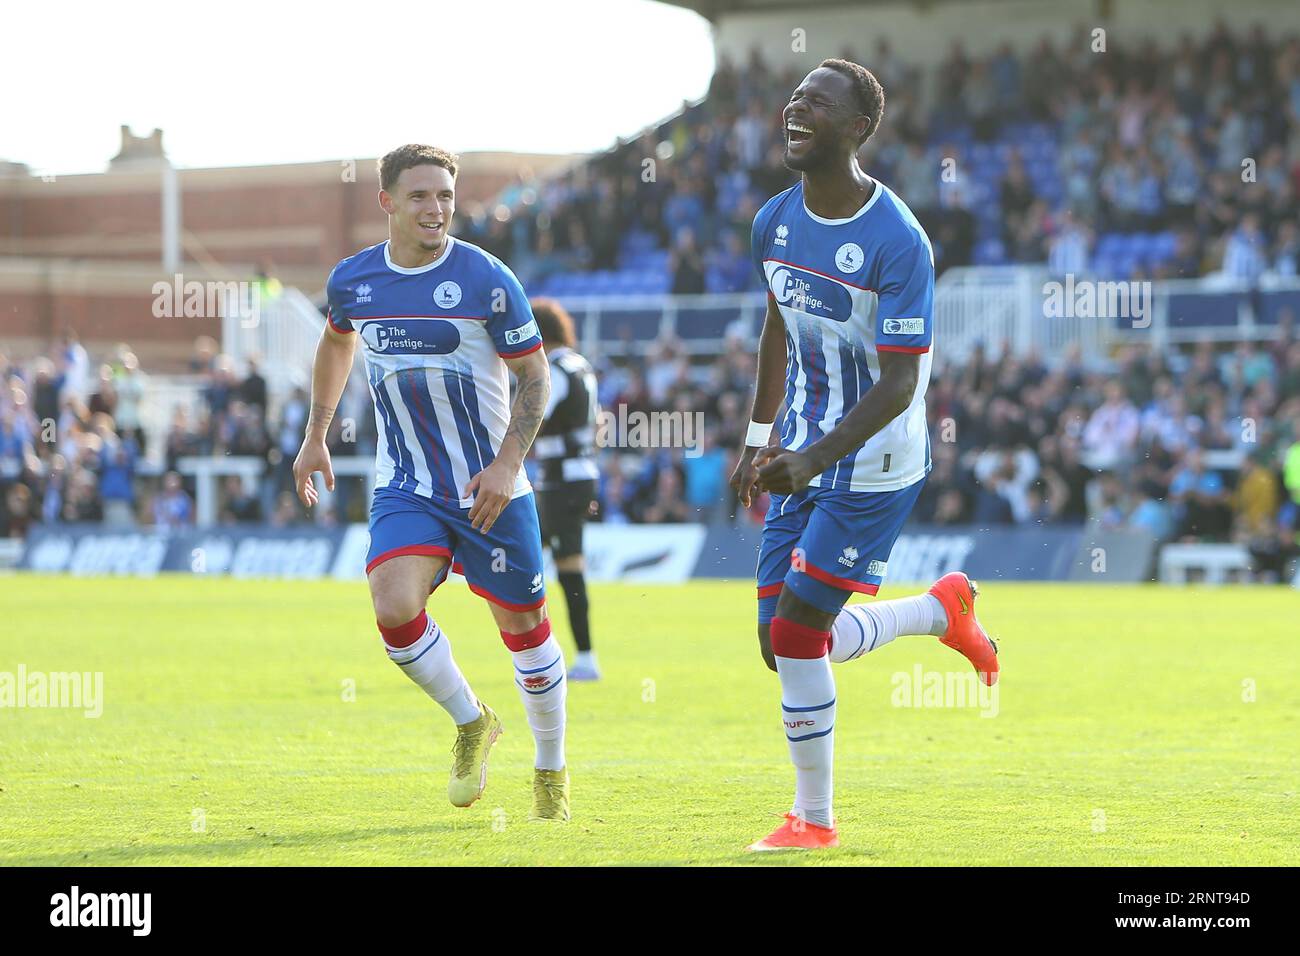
(758, 435)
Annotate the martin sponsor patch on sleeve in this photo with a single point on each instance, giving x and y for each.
(521, 334)
(904, 327)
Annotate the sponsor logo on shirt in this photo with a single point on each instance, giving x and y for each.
(363, 294)
(904, 326)
(521, 334)
(781, 232)
(410, 336)
(811, 293)
(849, 557)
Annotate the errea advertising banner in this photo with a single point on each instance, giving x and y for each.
(662, 554)
(252, 552)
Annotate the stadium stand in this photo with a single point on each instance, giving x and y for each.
(1188, 430)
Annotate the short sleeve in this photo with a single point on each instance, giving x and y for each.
(510, 317)
(335, 314)
(757, 242)
(905, 315)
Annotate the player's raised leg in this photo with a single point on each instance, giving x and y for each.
(862, 628)
(399, 588)
(957, 593)
(945, 611)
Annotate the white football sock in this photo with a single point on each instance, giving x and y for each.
(808, 711)
(429, 663)
(539, 675)
(860, 628)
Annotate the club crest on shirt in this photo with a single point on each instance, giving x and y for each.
(447, 295)
(849, 257)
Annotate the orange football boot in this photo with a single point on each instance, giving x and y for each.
(957, 594)
(797, 834)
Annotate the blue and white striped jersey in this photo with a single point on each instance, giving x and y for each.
(849, 289)
(433, 339)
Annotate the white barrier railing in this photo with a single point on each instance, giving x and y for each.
(281, 332)
(207, 473)
(1217, 562)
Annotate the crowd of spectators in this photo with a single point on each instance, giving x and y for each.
(1196, 139)
(1200, 444)
(1190, 445)
(74, 447)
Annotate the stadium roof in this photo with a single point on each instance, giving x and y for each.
(713, 9)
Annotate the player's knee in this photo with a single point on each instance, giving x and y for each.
(523, 630)
(791, 607)
(393, 610)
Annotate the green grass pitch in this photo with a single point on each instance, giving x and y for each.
(1134, 725)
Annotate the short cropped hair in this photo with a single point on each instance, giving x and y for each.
(870, 94)
(414, 154)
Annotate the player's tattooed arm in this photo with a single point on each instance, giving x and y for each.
(532, 390)
(787, 472)
(318, 421)
(492, 487)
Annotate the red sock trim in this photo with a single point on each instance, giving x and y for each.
(404, 635)
(522, 642)
(797, 640)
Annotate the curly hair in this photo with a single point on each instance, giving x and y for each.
(413, 154)
(554, 322)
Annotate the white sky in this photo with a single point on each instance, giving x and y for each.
(247, 82)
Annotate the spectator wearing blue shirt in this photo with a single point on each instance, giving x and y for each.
(117, 459)
(1245, 254)
(173, 508)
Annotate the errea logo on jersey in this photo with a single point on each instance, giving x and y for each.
(781, 232)
(849, 557)
(536, 584)
(447, 295)
(363, 294)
